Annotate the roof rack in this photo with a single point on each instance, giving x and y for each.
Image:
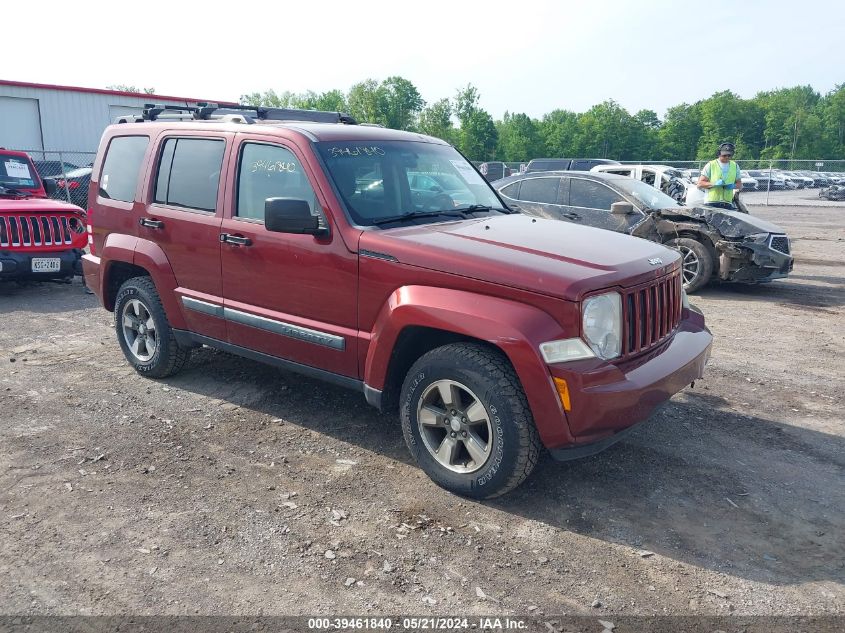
(215, 112)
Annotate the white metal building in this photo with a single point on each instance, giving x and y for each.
(66, 118)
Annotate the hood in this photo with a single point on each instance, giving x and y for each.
(731, 224)
(37, 205)
(536, 254)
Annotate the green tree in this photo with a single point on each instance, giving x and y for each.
(436, 120)
(477, 136)
(558, 130)
(365, 102)
(787, 112)
(519, 138)
(401, 103)
(605, 131)
(727, 117)
(832, 107)
(679, 135)
(645, 135)
(125, 88)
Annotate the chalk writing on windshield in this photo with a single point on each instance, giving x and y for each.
(356, 151)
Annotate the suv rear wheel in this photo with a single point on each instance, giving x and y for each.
(144, 334)
(467, 422)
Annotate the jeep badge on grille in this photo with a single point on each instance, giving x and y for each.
(655, 261)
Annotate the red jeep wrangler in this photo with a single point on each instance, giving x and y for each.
(39, 238)
(303, 240)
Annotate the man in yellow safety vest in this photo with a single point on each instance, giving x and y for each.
(720, 178)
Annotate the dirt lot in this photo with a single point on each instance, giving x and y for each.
(235, 488)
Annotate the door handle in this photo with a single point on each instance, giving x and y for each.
(237, 240)
(571, 216)
(151, 224)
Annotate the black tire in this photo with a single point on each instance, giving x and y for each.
(167, 357)
(513, 444)
(693, 250)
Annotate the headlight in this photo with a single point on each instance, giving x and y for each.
(601, 322)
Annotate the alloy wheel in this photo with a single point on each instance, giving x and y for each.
(455, 426)
(691, 265)
(139, 330)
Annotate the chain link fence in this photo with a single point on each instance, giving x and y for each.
(71, 171)
(765, 182)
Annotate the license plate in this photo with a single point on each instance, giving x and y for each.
(46, 264)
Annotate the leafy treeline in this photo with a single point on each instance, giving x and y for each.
(792, 123)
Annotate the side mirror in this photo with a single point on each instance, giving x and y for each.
(289, 215)
(622, 208)
(50, 186)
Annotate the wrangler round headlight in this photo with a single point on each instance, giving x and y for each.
(602, 324)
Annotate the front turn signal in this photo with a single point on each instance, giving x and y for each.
(563, 392)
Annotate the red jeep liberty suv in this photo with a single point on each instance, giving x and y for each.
(382, 261)
(40, 239)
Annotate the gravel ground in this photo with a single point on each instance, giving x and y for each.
(235, 488)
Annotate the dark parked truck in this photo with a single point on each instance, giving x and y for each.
(294, 238)
(716, 244)
(40, 239)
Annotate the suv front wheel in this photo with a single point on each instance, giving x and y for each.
(467, 422)
(144, 334)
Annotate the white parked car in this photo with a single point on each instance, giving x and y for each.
(749, 182)
(669, 180)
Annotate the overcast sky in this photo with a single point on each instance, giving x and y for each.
(523, 56)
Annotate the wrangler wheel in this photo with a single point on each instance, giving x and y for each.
(467, 422)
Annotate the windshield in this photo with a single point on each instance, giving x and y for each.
(389, 178)
(644, 194)
(16, 172)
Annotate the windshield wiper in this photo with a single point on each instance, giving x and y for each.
(484, 207)
(413, 215)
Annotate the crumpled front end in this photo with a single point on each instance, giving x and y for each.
(748, 249)
(756, 258)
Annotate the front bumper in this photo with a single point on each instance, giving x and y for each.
(608, 399)
(752, 262)
(18, 266)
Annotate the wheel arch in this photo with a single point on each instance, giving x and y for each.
(417, 319)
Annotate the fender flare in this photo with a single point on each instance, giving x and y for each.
(517, 329)
(149, 256)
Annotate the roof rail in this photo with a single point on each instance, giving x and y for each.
(208, 111)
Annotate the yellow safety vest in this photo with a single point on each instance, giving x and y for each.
(722, 194)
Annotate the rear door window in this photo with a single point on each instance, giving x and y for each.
(512, 190)
(122, 167)
(589, 194)
(542, 190)
(189, 173)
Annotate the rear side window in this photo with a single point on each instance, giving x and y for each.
(189, 173)
(512, 190)
(270, 171)
(543, 190)
(122, 167)
(591, 195)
